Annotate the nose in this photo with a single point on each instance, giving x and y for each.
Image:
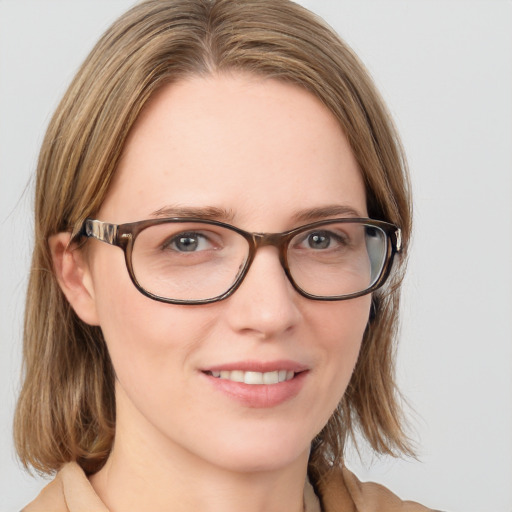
(266, 304)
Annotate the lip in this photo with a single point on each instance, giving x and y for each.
(259, 366)
(258, 396)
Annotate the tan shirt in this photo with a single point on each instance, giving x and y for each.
(71, 491)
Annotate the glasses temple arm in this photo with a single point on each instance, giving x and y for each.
(102, 231)
(398, 239)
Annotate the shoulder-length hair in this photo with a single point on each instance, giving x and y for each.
(66, 410)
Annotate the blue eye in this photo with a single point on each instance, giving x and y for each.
(319, 240)
(188, 242)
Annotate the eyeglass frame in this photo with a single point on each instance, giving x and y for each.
(124, 236)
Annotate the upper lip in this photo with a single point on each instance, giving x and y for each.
(258, 366)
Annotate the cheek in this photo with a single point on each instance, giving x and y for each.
(146, 339)
(351, 325)
(340, 325)
(339, 330)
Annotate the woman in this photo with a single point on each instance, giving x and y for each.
(222, 218)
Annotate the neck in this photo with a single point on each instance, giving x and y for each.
(147, 471)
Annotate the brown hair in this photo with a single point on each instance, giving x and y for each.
(66, 410)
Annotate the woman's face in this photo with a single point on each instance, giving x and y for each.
(271, 157)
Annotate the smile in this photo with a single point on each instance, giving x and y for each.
(274, 377)
(258, 384)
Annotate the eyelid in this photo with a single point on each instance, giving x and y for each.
(332, 234)
(172, 241)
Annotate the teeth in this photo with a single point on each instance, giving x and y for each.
(270, 378)
(254, 377)
(237, 376)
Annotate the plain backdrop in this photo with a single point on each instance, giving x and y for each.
(445, 69)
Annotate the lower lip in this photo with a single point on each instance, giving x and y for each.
(259, 396)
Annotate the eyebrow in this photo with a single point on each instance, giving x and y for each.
(227, 215)
(204, 212)
(324, 212)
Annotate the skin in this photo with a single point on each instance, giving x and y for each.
(262, 150)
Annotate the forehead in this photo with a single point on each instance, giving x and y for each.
(236, 142)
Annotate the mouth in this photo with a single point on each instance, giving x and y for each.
(253, 378)
(258, 384)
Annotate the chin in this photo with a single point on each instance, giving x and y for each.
(260, 455)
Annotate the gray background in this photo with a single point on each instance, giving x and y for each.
(445, 69)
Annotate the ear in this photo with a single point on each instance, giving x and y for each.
(74, 277)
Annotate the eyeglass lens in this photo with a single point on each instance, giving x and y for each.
(198, 261)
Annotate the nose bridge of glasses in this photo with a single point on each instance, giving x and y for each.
(277, 240)
(261, 240)
(268, 239)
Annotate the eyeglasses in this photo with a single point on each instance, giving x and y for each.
(198, 261)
